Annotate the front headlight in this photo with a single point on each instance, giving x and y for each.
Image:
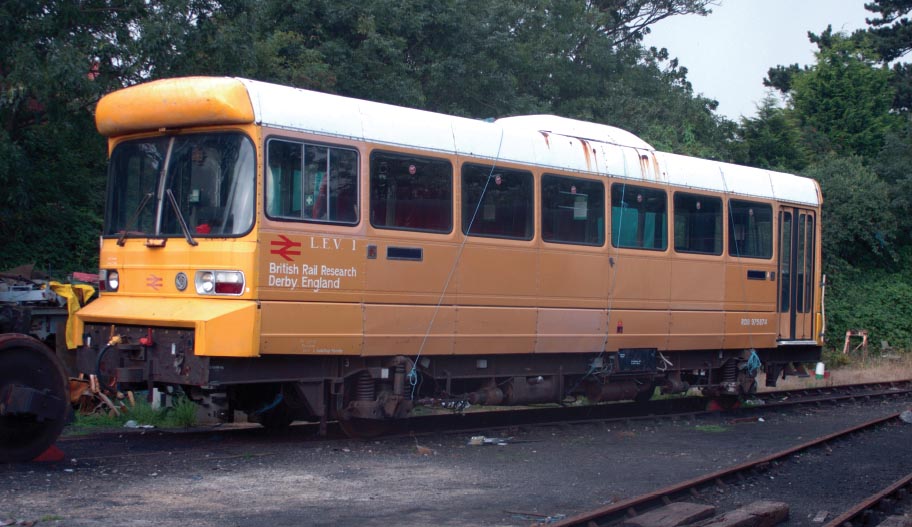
(109, 280)
(220, 283)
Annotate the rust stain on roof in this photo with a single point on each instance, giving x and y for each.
(586, 153)
(644, 165)
(547, 141)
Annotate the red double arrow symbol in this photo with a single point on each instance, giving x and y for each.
(284, 247)
(155, 282)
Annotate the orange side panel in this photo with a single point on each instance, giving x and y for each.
(306, 328)
(750, 330)
(696, 330)
(495, 330)
(498, 276)
(400, 330)
(572, 279)
(571, 330)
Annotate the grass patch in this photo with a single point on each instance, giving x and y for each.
(181, 415)
(711, 428)
(852, 368)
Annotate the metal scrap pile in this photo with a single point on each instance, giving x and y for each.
(88, 396)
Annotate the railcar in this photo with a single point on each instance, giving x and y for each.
(299, 255)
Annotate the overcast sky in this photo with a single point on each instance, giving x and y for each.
(728, 53)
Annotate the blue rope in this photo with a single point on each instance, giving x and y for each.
(753, 363)
(413, 380)
(270, 406)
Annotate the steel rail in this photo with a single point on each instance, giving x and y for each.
(529, 416)
(851, 516)
(661, 496)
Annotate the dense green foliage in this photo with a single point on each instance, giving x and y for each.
(477, 58)
(844, 120)
(878, 300)
(59, 57)
(855, 196)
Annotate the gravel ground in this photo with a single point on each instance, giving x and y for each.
(820, 482)
(252, 478)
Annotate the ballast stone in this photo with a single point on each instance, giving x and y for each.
(896, 521)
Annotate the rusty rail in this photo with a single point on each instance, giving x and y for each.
(856, 515)
(662, 496)
(663, 408)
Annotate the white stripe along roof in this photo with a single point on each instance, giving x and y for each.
(542, 140)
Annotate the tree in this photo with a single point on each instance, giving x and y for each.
(891, 29)
(859, 228)
(780, 77)
(843, 101)
(59, 57)
(890, 35)
(772, 139)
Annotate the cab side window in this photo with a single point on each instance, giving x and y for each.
(311, 182)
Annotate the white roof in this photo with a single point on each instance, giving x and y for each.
(543, 140)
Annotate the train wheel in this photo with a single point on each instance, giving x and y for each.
(279, 418)
(645, 393)
(27, 367)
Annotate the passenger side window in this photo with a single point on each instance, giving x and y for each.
(311, 182)
(638, 217)
(697, 224)
(497, 202)
(411, 193)
(750, 233)
(573, 210)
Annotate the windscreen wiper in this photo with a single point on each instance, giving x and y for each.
(180, 218)
(142, 204)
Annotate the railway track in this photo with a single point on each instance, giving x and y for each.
(123, 442)
(701, 492)
(499, 420)
(551, 470)
(882, 506)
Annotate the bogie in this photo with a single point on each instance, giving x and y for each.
(34, 400)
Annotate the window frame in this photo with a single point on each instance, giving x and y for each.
(303, 143)
(467, 217)
(600, 208)
(158, 208)
(406, 156)
(616, 242)
(720, 222)
(731, 228)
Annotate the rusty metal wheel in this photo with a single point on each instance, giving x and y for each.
(645, 392)
(278, 418)
(34, 402)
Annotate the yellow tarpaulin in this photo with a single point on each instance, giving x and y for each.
(76, 295)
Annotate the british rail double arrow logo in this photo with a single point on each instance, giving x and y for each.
(155, 282)
(285, 247)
